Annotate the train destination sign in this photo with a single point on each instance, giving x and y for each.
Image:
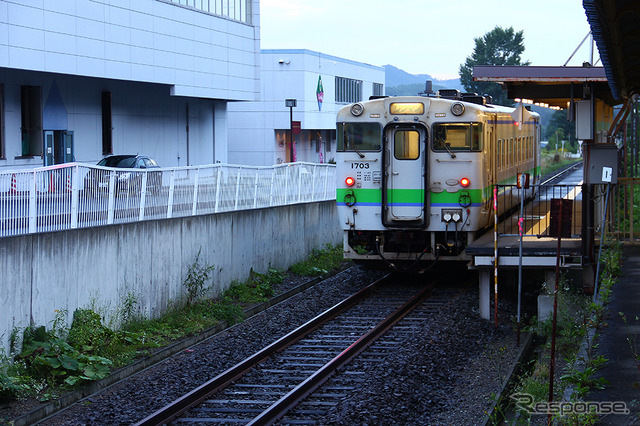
(404, 108)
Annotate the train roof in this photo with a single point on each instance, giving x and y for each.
(471, 100)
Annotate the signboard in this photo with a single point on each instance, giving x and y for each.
(319, 93)
(561, 215)
(296, 127)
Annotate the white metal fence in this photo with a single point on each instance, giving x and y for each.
(75, 195)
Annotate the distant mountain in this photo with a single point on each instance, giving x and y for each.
(399, 82)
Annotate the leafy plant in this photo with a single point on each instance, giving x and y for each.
(128, 310)
(10, 388)
(582, 378)
(50, 357)
(319, 262)
(197, 276)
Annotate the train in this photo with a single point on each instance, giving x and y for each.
(416, 174)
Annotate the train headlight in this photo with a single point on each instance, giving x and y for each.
(464, 182)
(457, 109)
(357, 109)
(349, 181)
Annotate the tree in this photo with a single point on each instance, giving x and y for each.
(497, 47)
(559, 121)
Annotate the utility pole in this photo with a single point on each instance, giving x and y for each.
(290, 103)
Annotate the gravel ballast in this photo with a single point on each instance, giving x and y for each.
(445, 375)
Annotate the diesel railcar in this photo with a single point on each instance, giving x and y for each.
(416, 174)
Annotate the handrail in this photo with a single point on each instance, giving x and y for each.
(76, 195)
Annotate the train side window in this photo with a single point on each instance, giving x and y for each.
(457, 137)
(499, 154)
(530, 147)
(520, 151)
(406, 144)
(513, 152)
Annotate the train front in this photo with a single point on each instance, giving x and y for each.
(411, 184)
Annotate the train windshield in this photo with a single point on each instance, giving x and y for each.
(457, 137)
(359, 136)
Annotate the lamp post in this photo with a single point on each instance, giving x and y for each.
(290, 103)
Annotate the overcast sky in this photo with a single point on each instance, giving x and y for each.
(423, 36)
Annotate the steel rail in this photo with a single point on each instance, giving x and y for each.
(290, 400)
(173, 410)
(559, 174)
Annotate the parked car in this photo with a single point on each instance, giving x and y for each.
(125, 181)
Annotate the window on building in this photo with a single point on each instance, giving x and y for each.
(107, 124)
(31, 110)
(348, 90)
(378, 89)
(238, 10)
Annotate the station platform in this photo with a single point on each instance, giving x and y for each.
(540, 248)
(536, 252)
(619, 343)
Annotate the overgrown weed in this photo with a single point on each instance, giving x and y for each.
(60, 358)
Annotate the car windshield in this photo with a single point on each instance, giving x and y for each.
(118, 161)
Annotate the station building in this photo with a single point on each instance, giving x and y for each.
(83, 79)
(260, 132)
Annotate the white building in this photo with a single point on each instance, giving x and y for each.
(321, 84)
(81, 79)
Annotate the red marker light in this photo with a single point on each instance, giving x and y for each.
(465, 182)
(515, 123)
(350, 181)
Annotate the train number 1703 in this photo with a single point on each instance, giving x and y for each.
(359, 165)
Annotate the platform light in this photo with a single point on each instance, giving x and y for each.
(464, 182)
(349, 181)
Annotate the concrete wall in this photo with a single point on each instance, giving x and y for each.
(102, 267)
(198, 54)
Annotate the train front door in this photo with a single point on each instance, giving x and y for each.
(403, 201)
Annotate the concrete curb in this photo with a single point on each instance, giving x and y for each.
(524, 357)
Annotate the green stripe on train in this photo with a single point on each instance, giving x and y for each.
(364, 195)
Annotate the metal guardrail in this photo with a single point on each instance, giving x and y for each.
(537, 209)
(624, 213)
(69, 196)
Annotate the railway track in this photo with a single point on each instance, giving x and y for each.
(285, 379)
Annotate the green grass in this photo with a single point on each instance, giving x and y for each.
(552, 162)
(576, 313)
(320, 262)
(52, 361)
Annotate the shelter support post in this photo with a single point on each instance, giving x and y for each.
(485, 276)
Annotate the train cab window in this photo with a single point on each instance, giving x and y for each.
(359, 137)
(406, 144)
(457, 137)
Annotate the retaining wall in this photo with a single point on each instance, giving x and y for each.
(103, 267)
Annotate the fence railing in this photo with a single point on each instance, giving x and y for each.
(624, 211)
(70, 196)
(536, 217)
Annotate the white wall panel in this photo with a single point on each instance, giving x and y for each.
(164, 35)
